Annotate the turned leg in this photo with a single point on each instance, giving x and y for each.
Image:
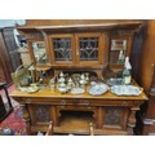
(132, 120)
(26, 118)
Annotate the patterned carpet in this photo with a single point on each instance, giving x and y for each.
(14, 121)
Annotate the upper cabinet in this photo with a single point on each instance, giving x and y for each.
(81, 46)
(77, 49)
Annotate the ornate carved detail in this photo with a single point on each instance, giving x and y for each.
(132, 120)
(112, 116)
(26, 118)
(42, 114)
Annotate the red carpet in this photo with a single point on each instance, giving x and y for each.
(14, 121)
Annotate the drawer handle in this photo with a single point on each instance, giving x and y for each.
(28, 101)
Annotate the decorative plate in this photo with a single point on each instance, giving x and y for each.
(29, 89)
(98, 89)
(77, 91)
(126, 90)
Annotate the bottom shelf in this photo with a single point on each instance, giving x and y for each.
(74, 122)
(78, 123)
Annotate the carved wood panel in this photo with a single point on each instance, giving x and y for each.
(112, 116)
(115, 117)
(40, 114)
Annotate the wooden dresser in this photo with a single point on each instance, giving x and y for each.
(110, 114)
(87, 47)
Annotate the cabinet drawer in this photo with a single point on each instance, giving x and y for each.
(77, 102)
(76, 108)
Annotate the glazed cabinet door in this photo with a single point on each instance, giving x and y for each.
(90, 48)
(120, 47)
(62, 49)
(38, 52)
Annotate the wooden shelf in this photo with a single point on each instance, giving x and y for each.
(74, 122)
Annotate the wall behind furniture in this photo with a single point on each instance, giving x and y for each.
(5, 65)
(11, 23)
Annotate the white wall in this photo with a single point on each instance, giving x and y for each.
(9, 22)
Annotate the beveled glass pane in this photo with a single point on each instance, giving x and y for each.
(62, 49)
(89, 49)
(39, 52)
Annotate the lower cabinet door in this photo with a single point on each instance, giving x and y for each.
(115, 117)
(40, 114)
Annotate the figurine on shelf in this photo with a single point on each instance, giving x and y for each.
(61, 74)
(70, 84)
(61, 85)
(83, 80)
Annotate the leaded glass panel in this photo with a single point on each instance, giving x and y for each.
(89, 49)
(62, 49)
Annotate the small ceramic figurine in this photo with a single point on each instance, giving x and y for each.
(61, 74)
(70, 84)
(61, 79)
(83, 80)
(62, 88)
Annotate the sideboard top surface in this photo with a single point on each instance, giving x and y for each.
(47, 93)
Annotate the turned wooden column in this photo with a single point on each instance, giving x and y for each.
(132, 120)
(26, 118)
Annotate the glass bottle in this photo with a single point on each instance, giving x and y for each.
(121, 57)
(127, 72)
